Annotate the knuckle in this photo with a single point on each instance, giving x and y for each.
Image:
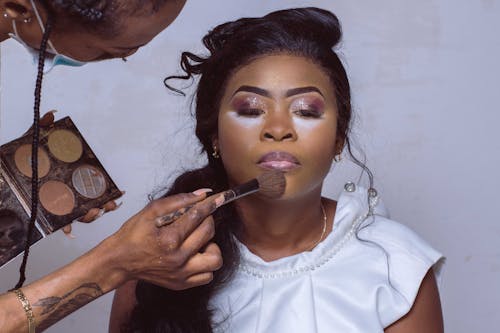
(184, 198)
(210, 227)
(215, 261)
(171, 242)
(194, 214)
(209, 277)
(154, 207)
(218, 262)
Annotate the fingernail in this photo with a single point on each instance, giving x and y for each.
(70, 235)
(219, 201)
(101, 213)
(119, 204)
(202, 191)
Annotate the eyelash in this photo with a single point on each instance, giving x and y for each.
(308, 113)
(254, 112)
(250, 112)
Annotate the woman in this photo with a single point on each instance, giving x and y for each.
(89, 30)
(273, 94)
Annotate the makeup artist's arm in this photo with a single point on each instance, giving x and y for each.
(167, 256)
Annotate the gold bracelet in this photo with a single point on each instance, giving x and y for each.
(27, 309)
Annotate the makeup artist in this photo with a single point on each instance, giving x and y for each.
(73, 32)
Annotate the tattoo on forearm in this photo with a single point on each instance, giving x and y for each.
(55, 308)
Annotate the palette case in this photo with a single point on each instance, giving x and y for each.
(71, 182)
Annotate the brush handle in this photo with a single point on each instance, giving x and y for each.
(240, 191)
(164, 220)
(222, 199)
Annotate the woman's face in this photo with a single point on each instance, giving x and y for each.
(279, 112)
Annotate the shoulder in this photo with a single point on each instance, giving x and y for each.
(398, 239)
(406, 258)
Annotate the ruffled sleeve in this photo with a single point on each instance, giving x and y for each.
(409, 260)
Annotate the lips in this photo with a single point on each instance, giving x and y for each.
(279, 160)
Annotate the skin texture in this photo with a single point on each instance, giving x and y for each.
(135, 31)
(168, 256)
(266, 117)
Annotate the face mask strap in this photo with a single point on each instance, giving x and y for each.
(40, 23)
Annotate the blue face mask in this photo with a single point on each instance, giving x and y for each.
(52, 57)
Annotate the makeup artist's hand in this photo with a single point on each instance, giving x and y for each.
(177, 256)
(93, 214)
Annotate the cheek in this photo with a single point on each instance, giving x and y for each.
(319, 136)
(237, 133)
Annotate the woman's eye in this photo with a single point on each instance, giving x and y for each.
(308, 113)
(249, 112)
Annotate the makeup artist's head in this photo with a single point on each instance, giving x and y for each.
(270, 84)
(273, 84)
(90, 30)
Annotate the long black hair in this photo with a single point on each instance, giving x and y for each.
(311, 33)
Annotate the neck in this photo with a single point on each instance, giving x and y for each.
(278, 228)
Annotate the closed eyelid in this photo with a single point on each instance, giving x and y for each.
(305, 102)
(249, 101)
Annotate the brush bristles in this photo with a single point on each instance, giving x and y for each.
(272, 183)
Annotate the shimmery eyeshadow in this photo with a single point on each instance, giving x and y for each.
(57, 198)
(22, 159)
(65, 146)
(248, 102)
(308, 103)
(89, 181)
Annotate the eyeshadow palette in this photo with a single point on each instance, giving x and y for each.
(71, 181)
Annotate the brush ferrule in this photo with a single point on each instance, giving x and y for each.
(241, 190)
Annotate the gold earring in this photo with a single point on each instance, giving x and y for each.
(215, 153)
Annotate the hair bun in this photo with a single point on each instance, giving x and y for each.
(310, 22)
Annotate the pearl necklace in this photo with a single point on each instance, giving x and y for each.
(324, 228)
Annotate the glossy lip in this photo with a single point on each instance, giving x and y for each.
(279, 160)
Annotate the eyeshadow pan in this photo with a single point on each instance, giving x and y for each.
(65, 145)
(57, 197)
(22, 158)
(89, 181)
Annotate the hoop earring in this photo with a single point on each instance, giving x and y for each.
(215, 153)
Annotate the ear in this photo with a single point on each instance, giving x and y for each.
(19, 10)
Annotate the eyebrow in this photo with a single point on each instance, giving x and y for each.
(255, 90)
(289, 93)
(302, 90)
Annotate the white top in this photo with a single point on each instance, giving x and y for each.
(363, 277)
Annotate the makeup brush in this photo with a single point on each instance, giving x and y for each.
(271, 184)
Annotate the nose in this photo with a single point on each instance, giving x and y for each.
(278, 127)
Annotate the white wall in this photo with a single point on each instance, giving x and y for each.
(425, 85)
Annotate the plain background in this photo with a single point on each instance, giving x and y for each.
(424, 77)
